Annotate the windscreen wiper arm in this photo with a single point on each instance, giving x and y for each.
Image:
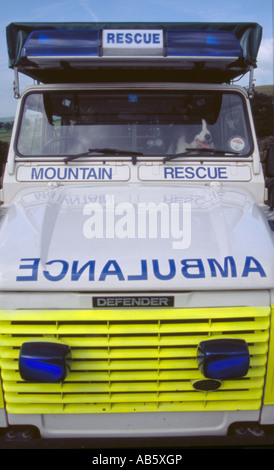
(198, 151)
(105, 151)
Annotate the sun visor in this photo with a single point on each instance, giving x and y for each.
(87, 52)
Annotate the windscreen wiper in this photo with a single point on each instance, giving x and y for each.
(199, 151)
(105, 151)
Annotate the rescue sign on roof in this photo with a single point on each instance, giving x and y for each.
(147, 41)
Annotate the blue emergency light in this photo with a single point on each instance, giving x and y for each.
(223, 358)
(203, 43)
(44, 361)
(125, 42)
(61, 43)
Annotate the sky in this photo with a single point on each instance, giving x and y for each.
(259, 11)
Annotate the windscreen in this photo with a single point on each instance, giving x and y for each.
(119, 122)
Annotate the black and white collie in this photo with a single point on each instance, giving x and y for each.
(192, 136)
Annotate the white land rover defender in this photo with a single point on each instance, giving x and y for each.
(136, 246)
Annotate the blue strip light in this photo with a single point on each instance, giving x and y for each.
(46, 362)
(61, 43)
(223, 358)
(85, 43)
(203, 43)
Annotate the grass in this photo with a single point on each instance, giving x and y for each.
(5, 135)
(265, 89)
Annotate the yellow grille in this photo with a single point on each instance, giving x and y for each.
(133, 361)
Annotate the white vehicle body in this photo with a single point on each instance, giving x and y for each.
(133, 259)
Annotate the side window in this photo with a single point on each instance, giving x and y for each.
(39, 133)
(234, 131)
(30, 138)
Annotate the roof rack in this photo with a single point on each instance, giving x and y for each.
(88, 52)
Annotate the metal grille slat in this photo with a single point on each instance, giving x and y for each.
(114, 353)
(131, 398)
(106, 376)
(135, 341)
(125, 387)
(126, 315)
(145, 329)
(113, 365)
(135, 407)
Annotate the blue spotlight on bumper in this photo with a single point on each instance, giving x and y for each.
(46, 362)
(223, 358)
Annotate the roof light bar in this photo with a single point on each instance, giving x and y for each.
(132, 43)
